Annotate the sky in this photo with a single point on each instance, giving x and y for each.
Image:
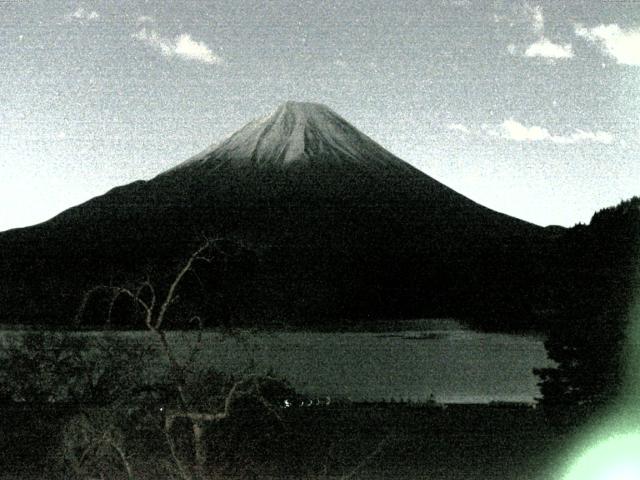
(531, 108)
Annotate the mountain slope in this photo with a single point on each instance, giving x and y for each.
(298, 133)
(338, 227)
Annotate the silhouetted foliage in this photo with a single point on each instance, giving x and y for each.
(69, 369)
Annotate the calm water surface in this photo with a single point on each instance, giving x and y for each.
(409, 362)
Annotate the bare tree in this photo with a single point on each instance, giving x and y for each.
(154, 308)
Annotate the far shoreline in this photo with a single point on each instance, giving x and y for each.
(344, 326)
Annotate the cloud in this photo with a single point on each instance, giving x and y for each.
(537, 18)
(458, 127)
(514, 130)
(547, 49)
(182, 46)
(188, 48)
(145, 19)
(456, 3)
(584, 136)
(623, 45)
(153, 39)
(542, 47)
(82, 14)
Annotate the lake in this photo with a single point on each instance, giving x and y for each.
(411, 360)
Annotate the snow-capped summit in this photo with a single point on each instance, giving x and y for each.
(299, 133)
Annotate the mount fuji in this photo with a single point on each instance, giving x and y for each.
(333, 228)
(300, 133)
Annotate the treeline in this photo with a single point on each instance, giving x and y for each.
(594, 283)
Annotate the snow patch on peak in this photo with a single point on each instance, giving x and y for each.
(304, 108)
(299, 133)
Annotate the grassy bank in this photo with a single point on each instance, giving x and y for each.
(342, 441)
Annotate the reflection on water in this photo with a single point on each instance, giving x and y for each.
(408, 362)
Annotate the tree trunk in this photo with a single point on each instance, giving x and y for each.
(199, 444)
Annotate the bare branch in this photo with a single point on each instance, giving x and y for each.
(145, 297)
(117, 292)
(264, 401)
(366, 460)
(176, 281)
(85, 301)
(173, 360)
(198, 345)
(151, 305)
(92, 437)
(123, 458)
(230, 397)
(184, 473)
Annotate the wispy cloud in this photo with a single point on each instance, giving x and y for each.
(537, 18)
(455, 3)
(621, 44)
(458, 127)
(542, 47)
(513, 130)
(82, 14)
(182, 46)
(145, 19)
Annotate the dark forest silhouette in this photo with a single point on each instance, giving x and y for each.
(597, 277)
